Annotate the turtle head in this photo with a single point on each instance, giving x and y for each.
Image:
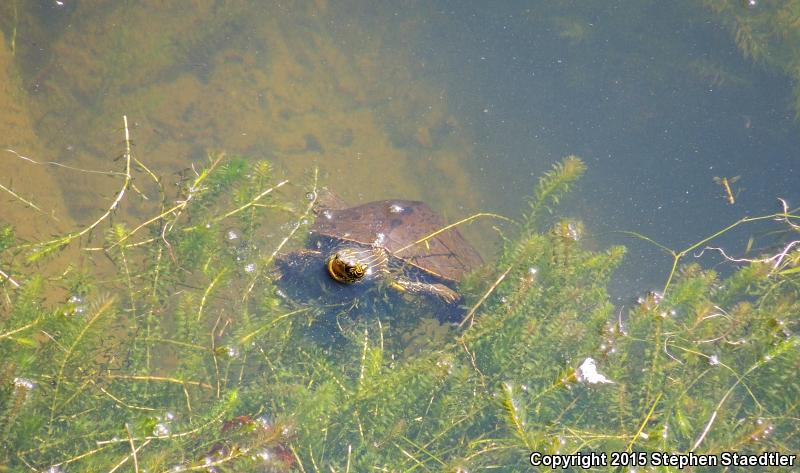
(346, 267)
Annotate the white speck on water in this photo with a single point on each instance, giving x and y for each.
(587, 373)
(24, 383)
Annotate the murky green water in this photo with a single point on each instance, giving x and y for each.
(461, 105)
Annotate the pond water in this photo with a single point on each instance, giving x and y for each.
(456, 103)
(461, 104)
(657, 108)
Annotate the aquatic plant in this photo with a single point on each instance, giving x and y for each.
(186, 358)
(766, 32)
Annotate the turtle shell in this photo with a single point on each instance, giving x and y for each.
(395, 225)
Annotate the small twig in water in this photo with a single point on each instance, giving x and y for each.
(775, 260)
(71, 168)
(8, 278)
(27, 202)
(471, 314)
(133, 448)
(67, 239)
(448, 227)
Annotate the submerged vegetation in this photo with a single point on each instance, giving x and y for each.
(767, 32)
(186, 357)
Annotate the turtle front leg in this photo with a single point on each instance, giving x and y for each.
(437, 290)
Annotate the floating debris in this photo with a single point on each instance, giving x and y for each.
(24, 383)
(587, 373)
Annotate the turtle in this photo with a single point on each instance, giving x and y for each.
(402, 243)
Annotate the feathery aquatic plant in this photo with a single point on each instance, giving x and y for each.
(189, 360)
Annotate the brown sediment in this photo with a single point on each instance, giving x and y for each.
(30, 182)
(267, 83)
(31, 198)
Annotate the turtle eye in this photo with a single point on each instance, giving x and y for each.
(338, 269)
